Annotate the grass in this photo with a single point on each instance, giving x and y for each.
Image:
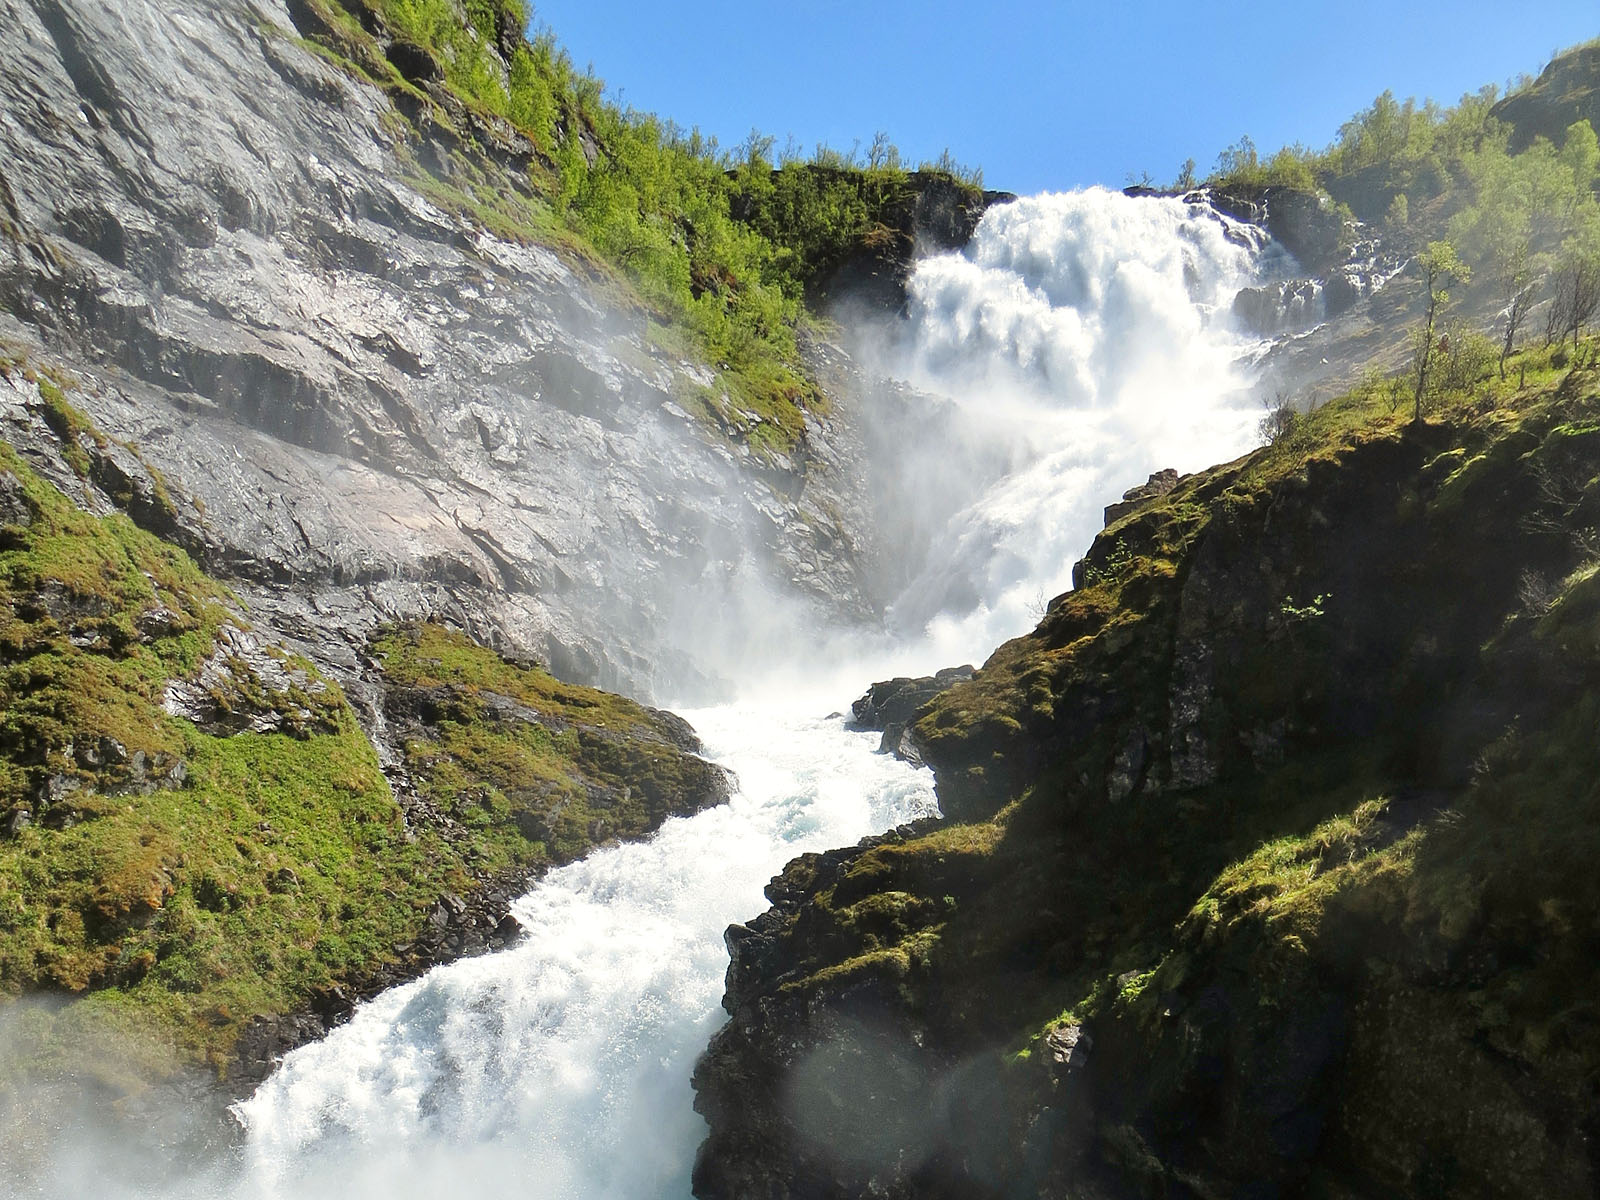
(1402, 807)
(546, 777)
(720, 249)
(197, 879)
(175, 882)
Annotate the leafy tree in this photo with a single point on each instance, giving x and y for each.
(1440, 264)
(1399, 215)
(1577, 296)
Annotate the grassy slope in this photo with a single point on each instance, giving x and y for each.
(1393, 840)
(184, 880)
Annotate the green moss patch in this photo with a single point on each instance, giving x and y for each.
(177, 880)
(539, 770)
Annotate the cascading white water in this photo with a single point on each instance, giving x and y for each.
(1093, 333)
(560, 1067)
(1087, 330)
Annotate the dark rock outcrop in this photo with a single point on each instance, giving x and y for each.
(1566, 91)
(1302, 222)
(1244, 849)
(1158, 485)
(928, 212)
(892, 704)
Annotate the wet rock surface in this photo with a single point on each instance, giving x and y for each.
(365, 408)
(1315, 636)
(891, 705)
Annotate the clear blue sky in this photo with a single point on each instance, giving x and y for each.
(1052, 95)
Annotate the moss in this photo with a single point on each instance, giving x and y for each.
(160, 889)
(180, 883)
(1393, 824)
(541, 771)
(68, 423)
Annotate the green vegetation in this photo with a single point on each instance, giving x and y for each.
(1439, 264)
(539, 770)
(1509, 183)
(719, 246)
(1312, 840)
(191, 881)
(180, 880)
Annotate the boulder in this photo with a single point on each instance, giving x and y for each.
(891, 705)
(1159, 484)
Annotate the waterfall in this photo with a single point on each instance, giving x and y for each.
(1084, 340)
(559, 1068)
(1093, 335)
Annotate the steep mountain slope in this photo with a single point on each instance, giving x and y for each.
(1265, 867)
(368, 406)
(306, 330)
(197, 834)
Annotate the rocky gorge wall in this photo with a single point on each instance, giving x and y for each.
(242, 306)
(1245, 851)
(366, 407)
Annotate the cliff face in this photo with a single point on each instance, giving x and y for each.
(197, 838)
(1263, 867)
(368, 408)
(244, 326)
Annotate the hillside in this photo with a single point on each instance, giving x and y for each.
(1265, 861)
(198, 835)
(375, 389)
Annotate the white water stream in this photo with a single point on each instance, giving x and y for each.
(1087, 335)
(560, 1067)
(1088, 329)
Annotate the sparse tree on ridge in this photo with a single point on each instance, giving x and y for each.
(1518, 285)
(1577, 297)
(1440, 265)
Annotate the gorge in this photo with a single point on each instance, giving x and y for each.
(340, 474)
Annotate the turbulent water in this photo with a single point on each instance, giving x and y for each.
(1085, 341)
(560, 1067)
(1089, 332)
(1092, 334)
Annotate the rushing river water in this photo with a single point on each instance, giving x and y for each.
(1086, 336)
(1086, 331)
(560, 1067)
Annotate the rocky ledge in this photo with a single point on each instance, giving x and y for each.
(1267, 862)
(200, 844)
(890, 706)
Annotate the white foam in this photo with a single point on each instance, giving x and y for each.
(1086, 330)
(560, 1067)
(1092, 330)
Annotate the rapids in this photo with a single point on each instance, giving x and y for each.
(1088, 337)
(1088, 331)
(560, 1067)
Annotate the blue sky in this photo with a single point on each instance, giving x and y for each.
(1052, 95)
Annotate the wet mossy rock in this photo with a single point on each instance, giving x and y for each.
(1268, 860)
(549, 769)
(199, 852)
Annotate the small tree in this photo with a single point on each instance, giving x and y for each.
(1185, 181)
(1398, 218)
(883, 155)
(1577, 298)
(1518, 285)
(1278, 422)
(1440, 265)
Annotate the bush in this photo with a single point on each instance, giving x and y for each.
(1468, 358)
